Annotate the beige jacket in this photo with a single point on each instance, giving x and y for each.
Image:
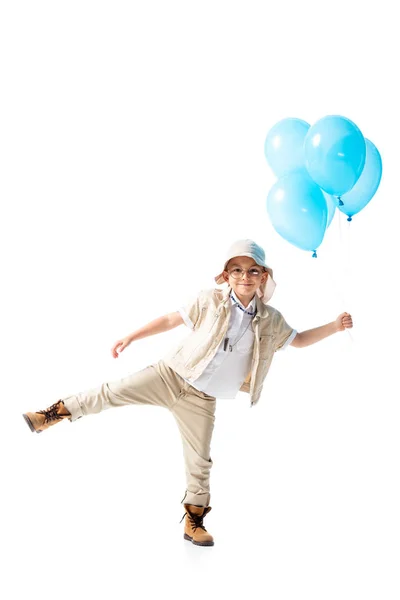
(210, 314)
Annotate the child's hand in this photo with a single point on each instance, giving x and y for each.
(344, 321)
(120, 345)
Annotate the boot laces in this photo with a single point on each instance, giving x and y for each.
(51, 413)
(196, 521)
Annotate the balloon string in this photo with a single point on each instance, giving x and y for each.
(344, 270)
(350, 263)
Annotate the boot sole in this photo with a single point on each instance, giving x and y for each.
(187, 537)
(31, 427)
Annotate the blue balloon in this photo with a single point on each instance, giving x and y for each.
(366, 186)
(283, 146)
(335, 150)
(331, 203)
(298, 211)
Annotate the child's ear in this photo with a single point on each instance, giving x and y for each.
(225, 275)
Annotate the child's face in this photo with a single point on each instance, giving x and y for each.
(249, 277)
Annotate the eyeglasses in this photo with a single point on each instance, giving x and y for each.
(238, 273)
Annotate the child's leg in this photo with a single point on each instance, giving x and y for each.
(194, 413)
(143, 387)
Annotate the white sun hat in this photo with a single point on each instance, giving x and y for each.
(252, 250)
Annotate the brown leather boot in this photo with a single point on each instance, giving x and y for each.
(195, 531)
(43, 419)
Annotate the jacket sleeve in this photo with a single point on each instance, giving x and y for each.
(284, 333)
(191, 312)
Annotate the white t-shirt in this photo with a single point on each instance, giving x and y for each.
(226, 372)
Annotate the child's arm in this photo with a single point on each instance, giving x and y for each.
(311, 336)
(164, 323)
(159, 325)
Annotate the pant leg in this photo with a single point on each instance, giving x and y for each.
(159, 385)
(194, 413)
(147, 386)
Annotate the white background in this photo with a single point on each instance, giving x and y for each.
(132, 139)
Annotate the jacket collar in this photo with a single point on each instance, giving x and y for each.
(262, 310)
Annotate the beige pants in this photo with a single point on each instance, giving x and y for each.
(159, 385)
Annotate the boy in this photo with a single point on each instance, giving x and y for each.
(231, 345)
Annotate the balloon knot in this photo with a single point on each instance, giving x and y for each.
(314, 254)
(340, 201)
(349, 219)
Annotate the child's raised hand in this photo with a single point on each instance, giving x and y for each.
(119, 346)
(344, 321)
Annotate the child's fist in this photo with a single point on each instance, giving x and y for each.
(344, 321)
